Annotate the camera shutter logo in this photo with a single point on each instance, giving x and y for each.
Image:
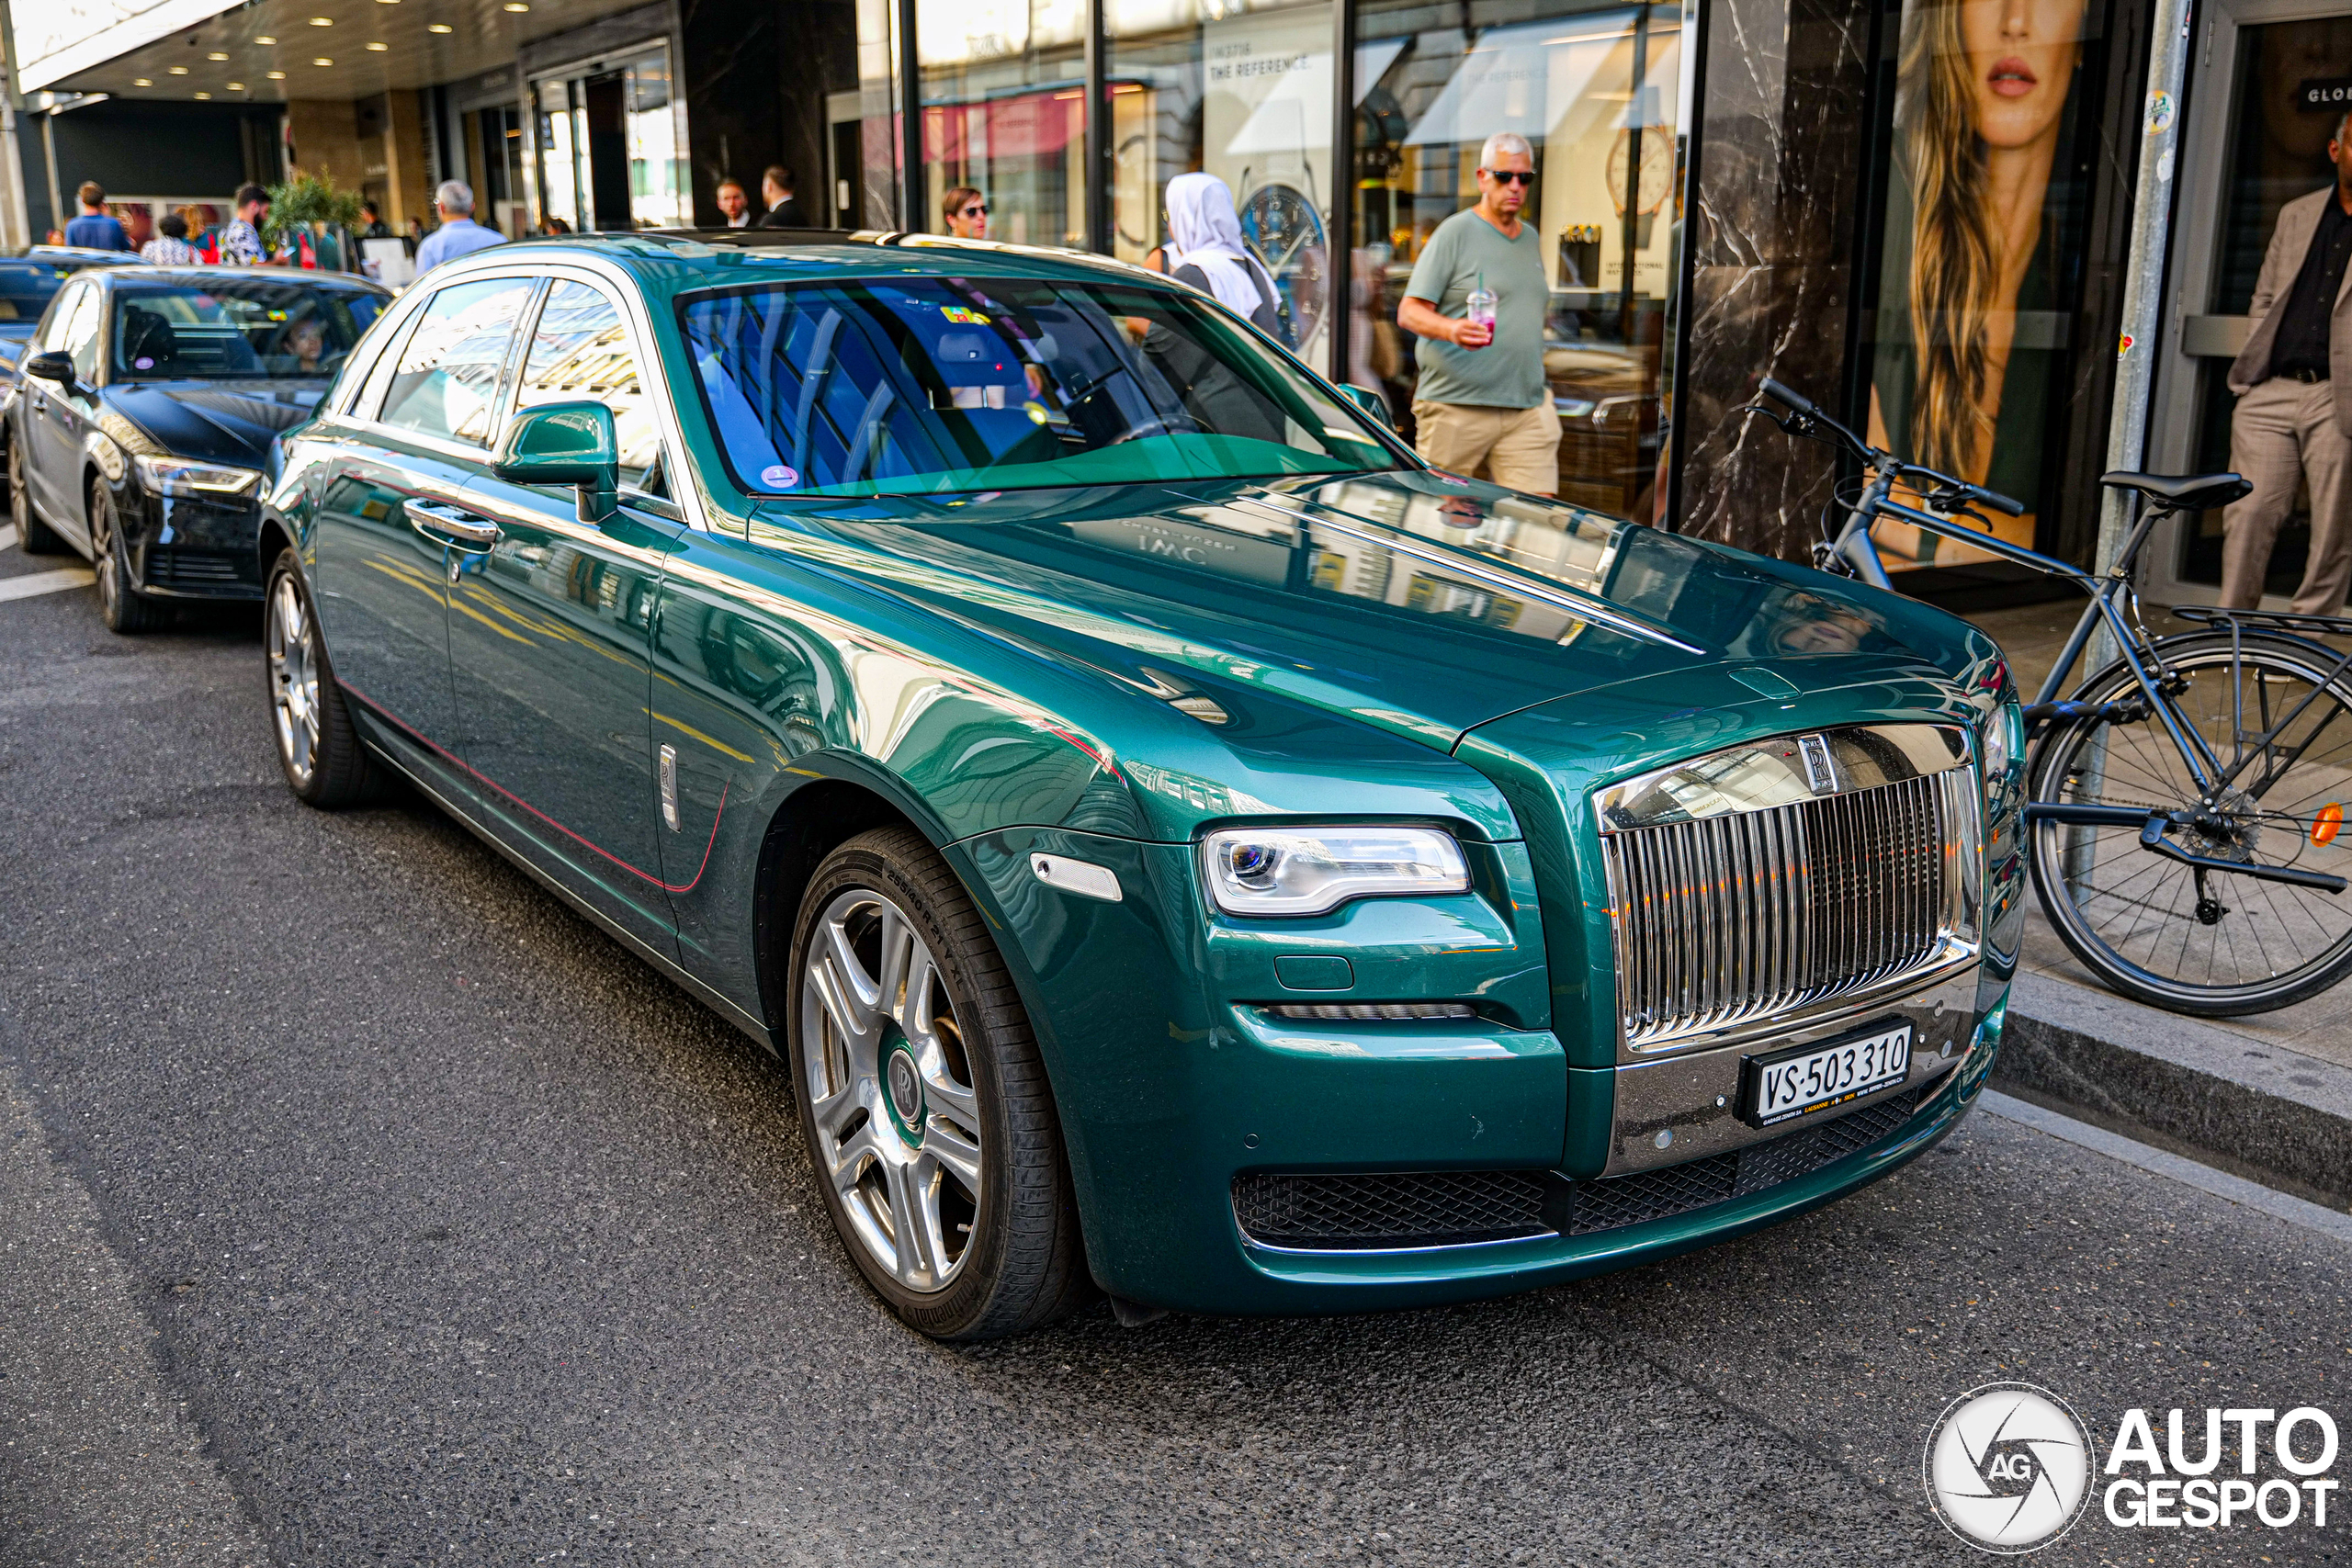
(2007, 1467)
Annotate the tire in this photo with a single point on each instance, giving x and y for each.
(2151, 929)
(125, 610)
(325, 762)
(918, 1125)
(34, 537)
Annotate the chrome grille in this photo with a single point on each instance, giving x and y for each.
(1749, 914)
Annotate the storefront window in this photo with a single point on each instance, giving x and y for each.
(1601, 94)
(657, 174)
(559, 165)
(875, 204)
(1004, 110)
(1241, 94)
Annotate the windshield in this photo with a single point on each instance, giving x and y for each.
(932, 385)
(166, 333)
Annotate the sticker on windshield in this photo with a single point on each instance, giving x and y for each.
(775, 476)
(957, 313)
(142, 363)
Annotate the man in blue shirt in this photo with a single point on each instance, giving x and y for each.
(93, 229)
(458, 235)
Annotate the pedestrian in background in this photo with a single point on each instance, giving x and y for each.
(1478, 298)
(1206, 249)
(458, 235)
(784, 207)
(2293, 420)
(95, 230)
(371, 222)
(170, 248)
(965, 211)
(735, 204)
(240, 241)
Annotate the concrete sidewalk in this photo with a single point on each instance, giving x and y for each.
(2268, 1097)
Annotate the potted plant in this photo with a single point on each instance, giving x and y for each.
(312, 205)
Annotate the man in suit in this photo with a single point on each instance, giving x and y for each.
(784, 207)
(2294, 387)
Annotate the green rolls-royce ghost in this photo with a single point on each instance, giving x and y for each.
(1183, 845)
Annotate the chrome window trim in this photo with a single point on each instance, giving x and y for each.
(688, 498)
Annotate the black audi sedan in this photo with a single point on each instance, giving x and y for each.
(139, 422)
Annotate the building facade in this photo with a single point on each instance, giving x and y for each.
(1918, 211)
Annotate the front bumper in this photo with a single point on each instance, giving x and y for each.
(1172, 1083)
(188, 549)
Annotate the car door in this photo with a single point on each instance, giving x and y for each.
(549, 631)
(57, 418)
(392, 524)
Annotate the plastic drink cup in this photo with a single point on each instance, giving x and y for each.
(1480, 308)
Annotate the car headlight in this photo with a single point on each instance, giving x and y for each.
(2003, 743)
(176, 476)
(1308, 870)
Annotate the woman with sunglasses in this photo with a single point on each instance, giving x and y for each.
(966, 211)
(1482, 402)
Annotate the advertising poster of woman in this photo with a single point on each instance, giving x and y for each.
(1971, 339)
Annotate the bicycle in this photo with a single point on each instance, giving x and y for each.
(2184, 818)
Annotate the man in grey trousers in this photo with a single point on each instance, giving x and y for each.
(2294, 387)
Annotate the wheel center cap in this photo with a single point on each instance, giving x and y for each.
(902, 1088)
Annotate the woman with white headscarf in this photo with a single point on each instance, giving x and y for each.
(1207, 251)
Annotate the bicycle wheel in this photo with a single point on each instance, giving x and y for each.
(2214, 943)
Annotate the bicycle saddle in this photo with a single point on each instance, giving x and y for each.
(2182, 492)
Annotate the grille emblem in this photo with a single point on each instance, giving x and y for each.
(1820, 771)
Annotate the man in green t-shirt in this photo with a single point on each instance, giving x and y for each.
(1482, 398)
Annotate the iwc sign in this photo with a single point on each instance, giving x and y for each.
(2007, 1467)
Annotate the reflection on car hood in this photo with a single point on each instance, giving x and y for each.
(1421, 604)
(219, 422)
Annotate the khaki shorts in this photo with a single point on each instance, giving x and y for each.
(1518, 447)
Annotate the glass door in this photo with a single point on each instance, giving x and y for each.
(2272, 85)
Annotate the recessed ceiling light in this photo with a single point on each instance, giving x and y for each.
(265, 38)
(236, 87)
(322, 21)
(275, 75)
(378, 47)
(178, 70)
(204, 95)
(322, 59)
(141, 81)
(514, 6)
(216, 54)
(437, 27)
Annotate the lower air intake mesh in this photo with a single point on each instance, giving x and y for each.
(1380, 1211)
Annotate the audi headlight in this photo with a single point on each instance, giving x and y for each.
(1308, 870)
(209, 481)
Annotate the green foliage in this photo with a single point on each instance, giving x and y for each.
(309, 198)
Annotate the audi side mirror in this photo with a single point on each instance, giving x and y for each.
(565, 444)
(52, 367)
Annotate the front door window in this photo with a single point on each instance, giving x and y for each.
(445, 384)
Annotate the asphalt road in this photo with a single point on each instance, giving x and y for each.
(359, 1204)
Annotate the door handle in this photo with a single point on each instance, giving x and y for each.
(439, 518)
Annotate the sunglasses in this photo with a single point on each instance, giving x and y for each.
(978, 210)
(1510, 177)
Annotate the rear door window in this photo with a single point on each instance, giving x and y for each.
(446, 381)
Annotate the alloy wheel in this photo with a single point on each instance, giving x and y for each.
(889, 1087)
(102, 548)
(293, 679)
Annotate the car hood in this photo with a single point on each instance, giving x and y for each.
(1422, 605)
(216, 422)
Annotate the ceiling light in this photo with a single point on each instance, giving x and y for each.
(265, 38)
(437, 27)
(141, 81)
(322, 59)
(378, 47)
(322, 21)
(178, 70)
(216, 54)
(275, 75)
(514, 6)
(204, 95)
(236, 87)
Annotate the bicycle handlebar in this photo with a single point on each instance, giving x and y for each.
(1943, 489)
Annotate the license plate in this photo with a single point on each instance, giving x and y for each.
(1802, 1080)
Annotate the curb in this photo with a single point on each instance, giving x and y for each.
(2279, 1117)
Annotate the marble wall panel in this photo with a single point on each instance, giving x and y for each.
(1777, 189)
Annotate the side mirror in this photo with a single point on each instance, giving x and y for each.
(52, 367)
(1371, 402)
(565, 444)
